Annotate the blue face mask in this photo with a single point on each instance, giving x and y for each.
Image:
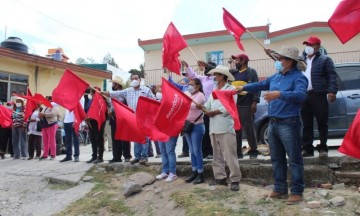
(278, 66)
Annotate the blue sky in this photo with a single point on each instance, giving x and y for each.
(95, 28)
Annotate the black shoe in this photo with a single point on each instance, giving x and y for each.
(91, 160)
(134, 161)
(192, 177)
(305, 153)
(151, 155)
(199, 179)
(99, 160)
(183, 154)
(253, 156)
(114, 161)
(323, 154)
(234, 186)
(65, 159)
(218, 182)
(240, 156)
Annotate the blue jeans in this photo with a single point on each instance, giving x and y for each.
(168, 156)
(141, 150)
(194, 140)
(285, 138)
(70, 139)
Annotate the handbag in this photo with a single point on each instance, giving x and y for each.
(38, 126)
(188, 126)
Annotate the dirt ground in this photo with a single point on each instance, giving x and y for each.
(180, 198)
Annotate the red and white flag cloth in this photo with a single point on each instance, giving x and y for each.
(345, 21)
(174, 109)
(226, 98)
(234, 27)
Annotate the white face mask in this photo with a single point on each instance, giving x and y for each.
(90, 96)
(309, 50)
(18, 104)
(134, 83)
(191, 89)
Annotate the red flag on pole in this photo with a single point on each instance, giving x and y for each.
(226, 98)
(345, 21)
(351, 142)
(126, 125)
(234, 27)
(5, 117)
(174, 108)
(30, 105)
(173, 43)
(79, 116)
(69, 90)
(39, 98)
(97, 110)
(145, 116)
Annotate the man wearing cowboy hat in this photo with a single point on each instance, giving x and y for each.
(286, 92)
(119, 147)
(222, 133)
(322, 79)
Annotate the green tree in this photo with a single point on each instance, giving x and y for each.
(108, 59)
(140, 72)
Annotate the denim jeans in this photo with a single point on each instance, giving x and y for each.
(284, 138)
(20, 144)
(141, 150)
(168, 156)
(70, 139)
(194, 140)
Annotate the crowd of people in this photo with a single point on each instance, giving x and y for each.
(297, 92)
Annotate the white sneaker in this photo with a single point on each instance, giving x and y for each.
(161, 176)
(171, 177)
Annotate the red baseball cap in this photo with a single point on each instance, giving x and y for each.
(241, 56)
(312, 40)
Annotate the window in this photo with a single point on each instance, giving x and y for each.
(10, 82)
(350, 77)
(215, 56)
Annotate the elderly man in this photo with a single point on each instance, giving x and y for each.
(286, 92)
(131, 96)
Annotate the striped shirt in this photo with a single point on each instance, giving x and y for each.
(132, 95)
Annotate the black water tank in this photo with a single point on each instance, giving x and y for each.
(15, 43)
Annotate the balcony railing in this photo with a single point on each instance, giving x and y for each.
(264, 67)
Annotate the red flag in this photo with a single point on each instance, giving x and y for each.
(39, 98)
(69, 90)
(234, 27)
(5, 117)
(97, 110)
(351, 143)
(79, 116)
(345, 21)
(126, 125)
(174, 108)
(145, 116)
(226, 97)
(173, 43)
(30, 105)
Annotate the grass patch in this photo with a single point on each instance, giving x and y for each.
(59, 186)
(200, 201)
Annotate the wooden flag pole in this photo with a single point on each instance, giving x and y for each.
(192, 52)
(262, 45)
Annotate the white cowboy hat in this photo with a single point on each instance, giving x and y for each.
(289, 52)
(222, 70)
(118, 80)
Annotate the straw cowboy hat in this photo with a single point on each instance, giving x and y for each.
(117, 80)
(289, 52)
(222, 70)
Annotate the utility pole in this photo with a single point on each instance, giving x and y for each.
(5, 32)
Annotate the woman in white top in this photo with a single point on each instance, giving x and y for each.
(35, 135)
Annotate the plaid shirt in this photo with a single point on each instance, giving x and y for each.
(131, 95)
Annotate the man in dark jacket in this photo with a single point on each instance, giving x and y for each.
(322, 87)
(246, 103)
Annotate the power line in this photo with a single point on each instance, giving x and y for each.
(62, 23)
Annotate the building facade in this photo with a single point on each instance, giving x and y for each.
(218, 46)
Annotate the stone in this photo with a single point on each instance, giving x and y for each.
(100, 169)
(337, 201)
(157, 190)
(321, 193)
(339, 186)
(313, 204)
(88, 178)
(324, 203)
(326, 186)
(131, 188)
(142, 178)
(357, 211)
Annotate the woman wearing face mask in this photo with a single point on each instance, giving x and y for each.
(19, 130)
(194, 138)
